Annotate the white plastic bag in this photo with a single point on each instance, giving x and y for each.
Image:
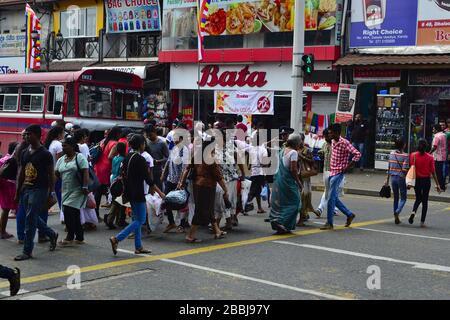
(155, 216)
(245, 190)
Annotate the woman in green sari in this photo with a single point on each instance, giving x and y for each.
(286, 188)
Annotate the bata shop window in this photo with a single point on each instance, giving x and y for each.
(252, 24)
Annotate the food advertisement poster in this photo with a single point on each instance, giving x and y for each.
(244, 102)
(433, 27)
(383, 23)
(124, 16)
(238, 17)
(345, 106)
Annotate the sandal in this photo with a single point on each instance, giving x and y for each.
(169, 227)
(114, 244)
(6, 235)
(195, 240)
(180, 229)
(65, 243)
(221, 235)
(142, 251)
(260, 211)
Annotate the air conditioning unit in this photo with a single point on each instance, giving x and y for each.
(91, 50)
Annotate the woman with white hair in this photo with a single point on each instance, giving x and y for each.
(286, 199)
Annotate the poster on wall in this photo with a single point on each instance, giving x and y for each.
(433, 26)
(345, 106)
(244, 102)
(383, 23)
(9, 65)
(12, 44)
(238, 17)
(124, 16)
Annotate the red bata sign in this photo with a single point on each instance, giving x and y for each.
(212, 77)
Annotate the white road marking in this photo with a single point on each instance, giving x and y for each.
(270, 283)
(30, 297)
(396, 233)
(6, 293)
(417, 265)
(405, 234)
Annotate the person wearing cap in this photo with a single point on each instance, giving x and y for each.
(34, 185)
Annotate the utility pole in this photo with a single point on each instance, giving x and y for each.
(297, 76)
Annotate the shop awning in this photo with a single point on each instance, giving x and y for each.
(138, 68)
(400, 61)
(68, 65)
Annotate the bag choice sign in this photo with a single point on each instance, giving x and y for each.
(244, 102)
(124, 16)
(383, 23)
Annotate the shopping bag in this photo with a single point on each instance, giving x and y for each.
(90, 203)
(265, 192)
(245, 190)
(411, 175)
(155, 216)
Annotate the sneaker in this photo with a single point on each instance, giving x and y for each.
(53, 242)
(14, 283)
(22, 257)
(327, 226)
(349, 220)
(397, 219)
(411, 218)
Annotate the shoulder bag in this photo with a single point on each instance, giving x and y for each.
(93, 182)
(117, 188)
(411, 175)
(307, 169)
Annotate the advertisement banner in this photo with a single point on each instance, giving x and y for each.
(383, 23)
(237, 17)
(10, 65)
(433, 26)
(12, 44)
(124, 16)
(244, 102)
(345, 106)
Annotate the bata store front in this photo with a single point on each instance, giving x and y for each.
(261, 92)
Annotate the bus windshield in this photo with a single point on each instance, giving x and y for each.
(127, 104)
(95, 101)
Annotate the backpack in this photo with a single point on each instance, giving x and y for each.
(93, 182)
(96, 153)
(117, 188)
(9, 169)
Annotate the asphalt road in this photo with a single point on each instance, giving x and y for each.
(252, 263)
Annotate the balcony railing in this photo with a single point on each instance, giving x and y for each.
(139, 45)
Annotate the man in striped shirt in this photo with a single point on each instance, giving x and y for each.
(341, 149)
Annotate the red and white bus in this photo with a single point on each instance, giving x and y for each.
(94, 99)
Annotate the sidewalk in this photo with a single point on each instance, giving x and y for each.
(369, 183)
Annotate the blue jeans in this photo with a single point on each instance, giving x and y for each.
(139, 213)
(334, 201)
(399, 189)
(33, 202)
(20, 222)
(360, 148)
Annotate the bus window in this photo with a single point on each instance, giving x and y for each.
(55, 99)
(32, 99)
(95, 101)
(127, 101)
(70, 107)
(9, 98)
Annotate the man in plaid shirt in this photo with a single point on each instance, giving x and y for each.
(341, 149)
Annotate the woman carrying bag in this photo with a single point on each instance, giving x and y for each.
(398, 167)
(423, 165)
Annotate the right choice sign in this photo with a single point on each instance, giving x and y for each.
(433, 23)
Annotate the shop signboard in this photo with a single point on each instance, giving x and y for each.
(10, 65)
(238, 17)
(428, 78)
(125, 16)
(433, 26)
(12, 45)
(383, 23)
(376, 75)
(244, 102)
(345, 106)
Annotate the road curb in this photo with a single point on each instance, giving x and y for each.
(373, 193)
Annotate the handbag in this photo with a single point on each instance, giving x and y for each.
(93, 182)
(117, 188)
(9, 169)
(411, 175)
(307, 170)
(385, 191)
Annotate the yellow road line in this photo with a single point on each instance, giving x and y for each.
(182, 253)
